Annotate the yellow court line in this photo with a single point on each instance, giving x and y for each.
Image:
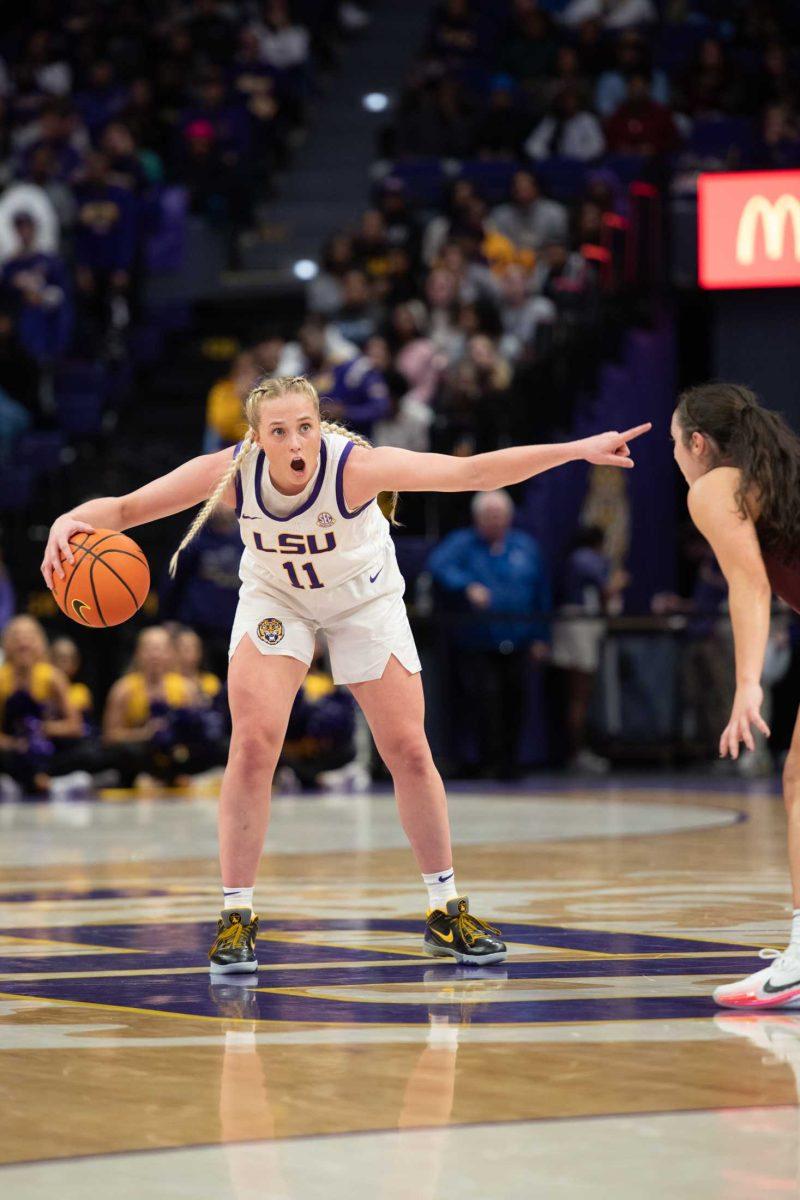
(410, 961)
(89, 946)
(157, 1012)
(44, 976)
(293, 1026)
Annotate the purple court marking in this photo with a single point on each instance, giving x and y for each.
(159, 948)
(195, 995)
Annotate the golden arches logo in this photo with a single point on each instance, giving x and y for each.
(774, 215)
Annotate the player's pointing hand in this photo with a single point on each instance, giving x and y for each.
(611, 449)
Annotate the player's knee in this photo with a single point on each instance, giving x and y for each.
(410, 754)
(256, 745)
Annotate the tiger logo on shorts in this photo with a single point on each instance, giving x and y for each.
(270, 630)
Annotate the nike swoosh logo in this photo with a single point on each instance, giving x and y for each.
(78, 606)
(372, 578)
(772, 991)
(247, 517)
(446, 937)
(444, 878)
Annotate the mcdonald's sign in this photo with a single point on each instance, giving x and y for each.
(748, 228)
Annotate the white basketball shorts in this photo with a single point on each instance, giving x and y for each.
(362, 636)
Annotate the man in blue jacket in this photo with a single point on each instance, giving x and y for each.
(495, 574)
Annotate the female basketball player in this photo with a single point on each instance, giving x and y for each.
(742, 464)
(318, 555)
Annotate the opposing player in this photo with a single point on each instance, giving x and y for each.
(742, 464)
(311, 500)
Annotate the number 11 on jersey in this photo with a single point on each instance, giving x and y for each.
(310, 572)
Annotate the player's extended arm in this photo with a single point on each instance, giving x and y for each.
(386, 468)
(182, 488)
(733, 539)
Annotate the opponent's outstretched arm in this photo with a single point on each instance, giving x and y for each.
(385, 468)
(733, 538)
(189, 484)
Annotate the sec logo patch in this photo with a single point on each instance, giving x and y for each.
(270, 630)
(325, 520)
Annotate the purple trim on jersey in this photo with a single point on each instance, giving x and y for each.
(323, 459)
(340, 486)
(237, 482)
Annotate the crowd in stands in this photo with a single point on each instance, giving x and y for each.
(503, 180)
(164, 721)
(106, 110)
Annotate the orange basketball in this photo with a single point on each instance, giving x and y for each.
(108, 581)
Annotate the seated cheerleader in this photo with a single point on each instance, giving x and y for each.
(38, 723)
(155, 719)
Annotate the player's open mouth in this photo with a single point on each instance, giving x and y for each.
(298, 465)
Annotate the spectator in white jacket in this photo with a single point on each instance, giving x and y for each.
(570, 131)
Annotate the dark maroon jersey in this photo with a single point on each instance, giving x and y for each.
(784, 578)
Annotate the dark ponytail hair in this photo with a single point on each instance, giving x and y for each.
(760, 443)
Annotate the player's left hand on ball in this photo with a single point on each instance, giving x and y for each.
(746, 712)
(612, 449)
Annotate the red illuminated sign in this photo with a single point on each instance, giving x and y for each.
(748, 228)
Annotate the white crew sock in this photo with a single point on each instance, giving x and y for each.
(239, 897)
(441, 887)
(794, 940)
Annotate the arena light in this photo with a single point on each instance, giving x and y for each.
(375, 102)
(305, 269)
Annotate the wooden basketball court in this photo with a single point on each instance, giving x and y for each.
(592, 1063)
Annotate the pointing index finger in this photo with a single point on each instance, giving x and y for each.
(637, 431)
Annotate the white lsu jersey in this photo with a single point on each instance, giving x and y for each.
(320, 544)
(319, 566)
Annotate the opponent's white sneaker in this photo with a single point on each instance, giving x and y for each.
(777, 986)
(774, 1032)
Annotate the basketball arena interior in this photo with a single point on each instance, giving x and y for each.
(472, 226)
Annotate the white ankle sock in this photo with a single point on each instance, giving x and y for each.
(239, 897)
(441, 887)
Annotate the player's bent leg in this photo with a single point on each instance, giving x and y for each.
(394, 707)
(261, 691)
(778, 985)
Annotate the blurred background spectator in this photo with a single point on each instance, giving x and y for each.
(589, 588)
(497, 572)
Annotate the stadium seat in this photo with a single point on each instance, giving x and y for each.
(80, 393)
(165, 246)
(563, 178)
(16, 487)
(40, 451)
(425, 180)
(491, 177)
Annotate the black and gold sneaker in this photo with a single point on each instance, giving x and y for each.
(454, 933)
(234, 948)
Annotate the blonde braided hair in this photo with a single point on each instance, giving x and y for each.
(270, 389)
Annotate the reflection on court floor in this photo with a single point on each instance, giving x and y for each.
(591, 1054)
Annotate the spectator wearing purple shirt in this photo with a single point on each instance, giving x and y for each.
(35, 291)
(104, 97)
(358, 395)
(106, 236)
